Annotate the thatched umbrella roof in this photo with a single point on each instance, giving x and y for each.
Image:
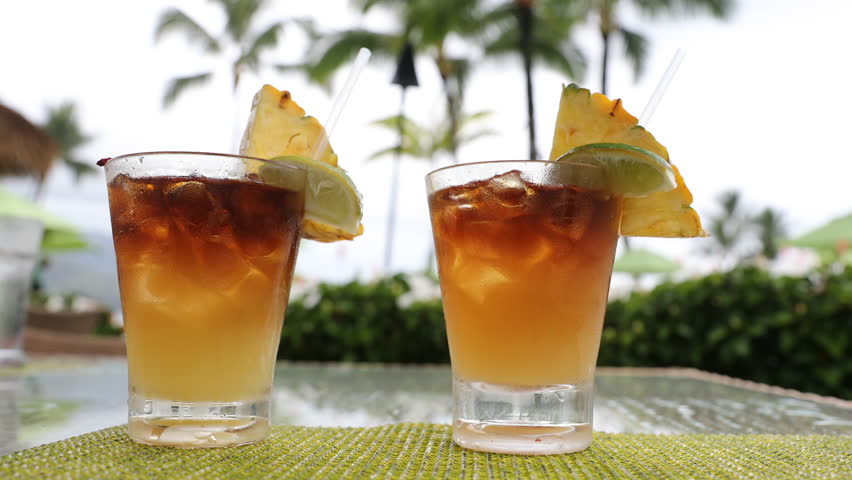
(25, 149)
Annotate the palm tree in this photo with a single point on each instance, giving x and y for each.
(426, 24)
(537, 30)
(25, 148)
(770, 228)
(728, 227)
(239, 34)
(426, 142)
(63, 127)
(635, 44)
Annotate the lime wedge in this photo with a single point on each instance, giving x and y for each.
(333, 208)
(629, 171)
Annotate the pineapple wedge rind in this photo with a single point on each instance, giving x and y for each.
(586, 118)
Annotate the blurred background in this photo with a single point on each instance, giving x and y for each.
(754, 118)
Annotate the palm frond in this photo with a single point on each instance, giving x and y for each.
(717, 8)
(392, 123)
(443, 135)
(502, 13)
(304, 69)
(265, 40)
(635, 49)
(505, 43)
(551, 37)
(473, 136)
(309, 27)
(470, 120)
(344, 46)
(568, 60)
(416, 139)
(291, 67)
(79, 169)
(366, 5)
(179, 85)
(174, 20)
(473, 118)
(239, 15)
(426, 141)
(386, 152)
(433, 21)
(63, 127)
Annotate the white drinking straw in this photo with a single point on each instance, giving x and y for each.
(661, 87)
(342, 97)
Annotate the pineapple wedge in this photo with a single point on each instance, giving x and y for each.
(278, 129)
(586, 118)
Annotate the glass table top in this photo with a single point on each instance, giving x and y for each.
(53, 398)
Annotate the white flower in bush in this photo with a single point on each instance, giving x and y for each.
(423, 288)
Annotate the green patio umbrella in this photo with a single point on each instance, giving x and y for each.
(58, 235)
(638, 261)
(835, 235)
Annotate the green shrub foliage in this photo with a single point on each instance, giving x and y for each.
(792, 332)
(364, 322)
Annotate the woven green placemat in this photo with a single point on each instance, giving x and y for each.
(409, 451)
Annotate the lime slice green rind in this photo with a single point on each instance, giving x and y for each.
(630, 171)
(331, 197)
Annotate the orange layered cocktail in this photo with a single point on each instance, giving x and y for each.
(525, 252)
(525, 272)
(206, 246)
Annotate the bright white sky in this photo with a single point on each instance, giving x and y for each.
(760, 104)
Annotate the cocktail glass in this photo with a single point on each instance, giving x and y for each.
(525, 252)
(206, 245)
(18, 255)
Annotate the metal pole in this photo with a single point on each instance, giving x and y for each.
(391, 225)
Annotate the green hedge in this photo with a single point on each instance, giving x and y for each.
(364, 322)
(793, 332)
(787, 331)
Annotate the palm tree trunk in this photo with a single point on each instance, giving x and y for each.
(604, 59)
(445, 70)
(452, 115)
(525, 19)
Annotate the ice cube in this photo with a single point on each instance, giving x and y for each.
(487, 239)
(132, 203)
(195, 209)
(464, 196)
(509, 189)
(261, 223)
(220, 263)
(478, 280)
(535, 250)
(571, 214)
(254, 288)
(152, 281)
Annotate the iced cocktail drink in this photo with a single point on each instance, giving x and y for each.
(206, 245)
(525, 252)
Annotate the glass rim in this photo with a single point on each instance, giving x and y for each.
(502, 162)
(233, 156)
